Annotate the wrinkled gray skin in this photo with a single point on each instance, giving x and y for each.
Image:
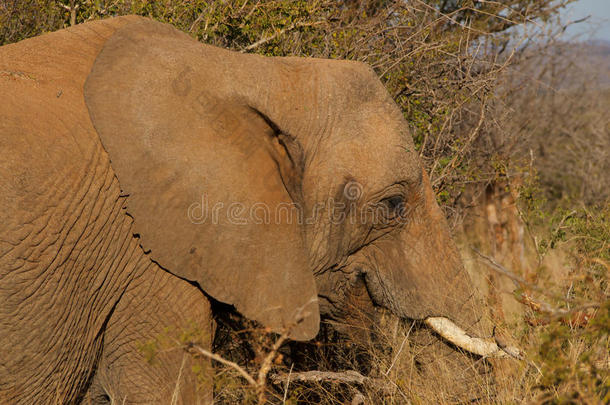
(109, 137)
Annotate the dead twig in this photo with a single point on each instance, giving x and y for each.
(72, 9)
(224, 361)
(266, 367)
(287, 384)
(292, 26)
(350, 377)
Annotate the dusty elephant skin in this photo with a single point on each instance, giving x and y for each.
(139, 164)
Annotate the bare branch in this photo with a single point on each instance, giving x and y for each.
(292, 26)
(343, 377)
(226, 362)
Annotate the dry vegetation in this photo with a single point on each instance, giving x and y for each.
(513, 127)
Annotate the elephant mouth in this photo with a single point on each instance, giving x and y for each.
(447, 330)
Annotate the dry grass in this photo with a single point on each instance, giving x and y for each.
(566, 345)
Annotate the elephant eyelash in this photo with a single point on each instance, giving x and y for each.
(395, 204)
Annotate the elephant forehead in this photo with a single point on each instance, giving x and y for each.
(373, 149)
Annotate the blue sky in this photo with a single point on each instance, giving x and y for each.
(599, 22)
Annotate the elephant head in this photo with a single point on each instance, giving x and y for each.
(279, 185)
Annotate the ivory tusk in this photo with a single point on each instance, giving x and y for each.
(482, 347)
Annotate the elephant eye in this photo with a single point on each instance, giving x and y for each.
(395, 205)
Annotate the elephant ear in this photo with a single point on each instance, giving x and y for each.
(207, 176)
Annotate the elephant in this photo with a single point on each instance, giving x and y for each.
(145, 175)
